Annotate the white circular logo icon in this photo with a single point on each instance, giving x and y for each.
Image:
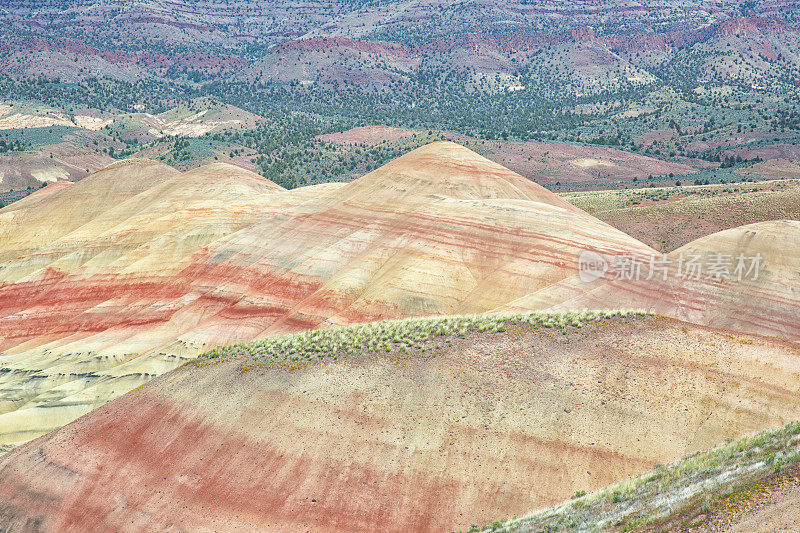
(591, 266)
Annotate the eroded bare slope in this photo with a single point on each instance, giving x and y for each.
(475, 427)
(762, 297)
(136, 269)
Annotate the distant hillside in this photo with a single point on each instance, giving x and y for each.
(546, 163)
(667, 218)
(49, 144)
(689, 79)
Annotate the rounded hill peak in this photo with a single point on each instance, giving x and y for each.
(448, 169)
(228, 172)
(133, 162)
(776, 237)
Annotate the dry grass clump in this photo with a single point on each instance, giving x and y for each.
(682, 490)
(5, 448)
(396, 335)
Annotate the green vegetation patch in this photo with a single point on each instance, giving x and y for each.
(32, 138)
(396, 335)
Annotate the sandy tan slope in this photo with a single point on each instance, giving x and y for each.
(478, 426)
(766, 300)
(88, 283)
(25, 231)
(132, 271)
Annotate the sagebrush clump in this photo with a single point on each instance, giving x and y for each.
(396, 335)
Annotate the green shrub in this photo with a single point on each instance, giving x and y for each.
(399, 335)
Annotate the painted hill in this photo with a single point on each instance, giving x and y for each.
(27, 230)
(767, 303)
(762, 297)
(138, 268)
(424, 425)
(747, 485)
(88, 282)
(61, 145)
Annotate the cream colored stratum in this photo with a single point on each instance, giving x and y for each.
(138, 268)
